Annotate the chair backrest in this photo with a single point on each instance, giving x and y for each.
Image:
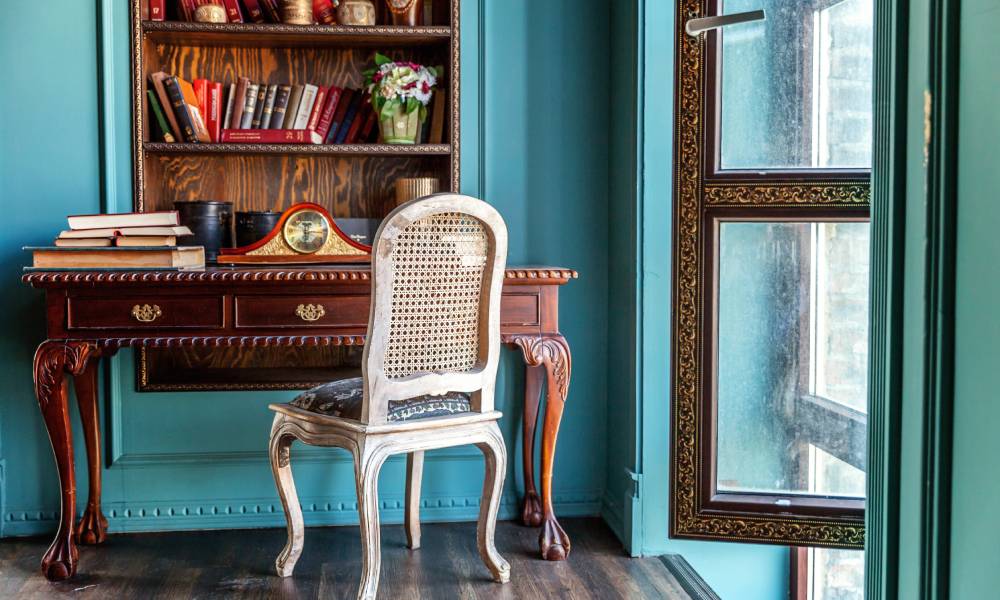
(434, 327)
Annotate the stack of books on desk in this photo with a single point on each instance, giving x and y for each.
(121, 241)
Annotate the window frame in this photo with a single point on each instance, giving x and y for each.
(705, 196)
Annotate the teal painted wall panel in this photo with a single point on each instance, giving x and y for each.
(531, 154)
(975, 563)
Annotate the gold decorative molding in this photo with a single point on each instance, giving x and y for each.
(692, 196)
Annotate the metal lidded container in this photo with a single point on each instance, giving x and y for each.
(253, 225)
(211, 221)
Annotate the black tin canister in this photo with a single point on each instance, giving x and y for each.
(253, 225)
(211, 221)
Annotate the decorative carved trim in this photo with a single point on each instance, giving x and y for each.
(549, 349)
(233, 341)
(827, 194)
(54, 358)
(692, 195)
(338, 149)
(43, 279)
(252, 29)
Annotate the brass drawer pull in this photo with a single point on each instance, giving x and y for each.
(310, 312)
(146, 313)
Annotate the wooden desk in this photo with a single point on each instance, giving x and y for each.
(91, 314)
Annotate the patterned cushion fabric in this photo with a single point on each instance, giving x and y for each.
(342, 398)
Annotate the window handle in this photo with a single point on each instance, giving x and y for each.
(695, 26)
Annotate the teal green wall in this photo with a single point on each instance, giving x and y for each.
(534, 101)
(637, 497)
(975, 525)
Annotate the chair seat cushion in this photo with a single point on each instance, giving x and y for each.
(342, 399)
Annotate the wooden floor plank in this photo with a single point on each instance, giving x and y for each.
(239, 565)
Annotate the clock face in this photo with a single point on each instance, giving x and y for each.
(306, 231)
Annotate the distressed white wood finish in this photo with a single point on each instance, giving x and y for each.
(373, 439)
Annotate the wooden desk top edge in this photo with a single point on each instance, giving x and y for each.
(527, 275)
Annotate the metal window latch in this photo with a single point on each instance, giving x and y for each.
(695, 26)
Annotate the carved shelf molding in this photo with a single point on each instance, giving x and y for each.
(311, 149)
(279, 34)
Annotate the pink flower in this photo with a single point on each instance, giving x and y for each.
(425, 88)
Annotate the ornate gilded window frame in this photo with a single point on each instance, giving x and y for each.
(702, 196)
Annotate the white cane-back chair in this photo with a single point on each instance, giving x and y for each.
(428, 373)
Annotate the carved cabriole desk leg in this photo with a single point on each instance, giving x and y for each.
(53, 360)
(531, 515)
(551, 352)
(92, 527)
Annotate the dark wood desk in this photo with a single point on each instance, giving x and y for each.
(91, 314)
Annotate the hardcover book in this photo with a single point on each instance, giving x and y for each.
(329, 108)
(269, 136)
(352, 112)
(191, 104)
(280, 107)
(110, 232)
(294, 99)
(230, 101)
(161, 121)
(269, 100)
(187, 9)
(354, 133)
(317, 109)
(271, 10)
(167, 218)
(254, 11)
(233, 11)
(214, 110)
(157, 10)
(180, 110)
(346, 98)
(180, 257)
(305, 107)
(158, 79)
(249, 106)
(84, 242)
(239, 103)
(258, 111)
(143, 241)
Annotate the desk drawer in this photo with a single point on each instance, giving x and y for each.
(302, 311)
(147, 312)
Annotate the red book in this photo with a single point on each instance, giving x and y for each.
(269, 136)
(370, 131)
(187, 9)
(157, 10)
(358, 124)
(215, 110)
(254, 11)
(271, 10)
(329, 108)
(338, 117)
(201, 87)
(233, 10)
(324, 12)
(317, 110)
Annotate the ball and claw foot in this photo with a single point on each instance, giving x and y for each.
(553, 541)
(532, 515)
(59, 562)
(92, 528)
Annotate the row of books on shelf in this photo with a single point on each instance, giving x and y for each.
(204, 111)
(120, 241)
(238, 11)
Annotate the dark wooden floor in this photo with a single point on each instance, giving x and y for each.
(239, 564)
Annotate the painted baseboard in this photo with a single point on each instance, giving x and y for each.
(613, 513)
(267, 512)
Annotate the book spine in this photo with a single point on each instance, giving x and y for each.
(329, 108)
(180, 110)
(345, 102)
(267, 136)
(249, 106)
(258, 111)
(294, 99)
(198, 119)
(305, 107)
(230, 101)
(187, 9)
(280, 107)
(201, 92)
(233, 11)
(157, 80)
(317, 110)
(437, 118)
(370, 131)
(214, 111)
(324, 12)
(359, 122)
(271, 10)
(352, 111)
(269, 100)
(157, 10)
(161, 121)
(254, 11)
(239, 103)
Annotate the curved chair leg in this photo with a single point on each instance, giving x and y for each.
(367, 464)
(281, 467)
(414, 474)
(495, 453)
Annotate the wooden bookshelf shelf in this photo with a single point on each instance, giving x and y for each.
(301, 149)
(291, 36)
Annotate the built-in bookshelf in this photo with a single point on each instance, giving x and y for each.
(350, 180)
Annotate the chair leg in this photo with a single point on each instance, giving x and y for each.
(281, 467)
(367, 464)
(495, 453)
(414, 475)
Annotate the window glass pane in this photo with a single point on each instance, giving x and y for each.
(792, 339)
(797, 88)
(836, 574)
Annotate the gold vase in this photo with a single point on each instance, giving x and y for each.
(356, 12)
(297, 12)
(210, 13)
(400, 127)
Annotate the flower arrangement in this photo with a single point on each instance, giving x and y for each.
(400, 93)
